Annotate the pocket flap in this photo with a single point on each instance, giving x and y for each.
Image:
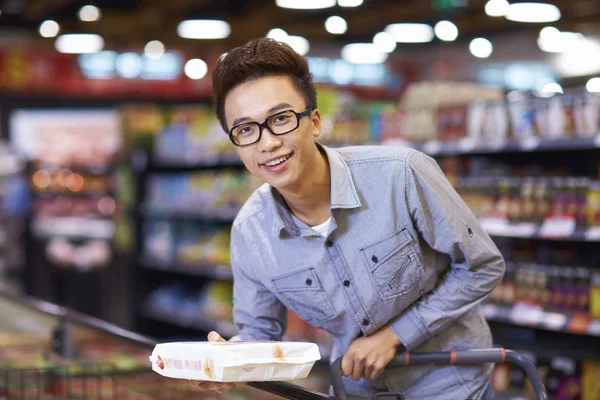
(304, 279)
(381, 250)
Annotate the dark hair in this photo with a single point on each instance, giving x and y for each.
(257, 59)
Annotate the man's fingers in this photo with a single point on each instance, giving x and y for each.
(215, 337)
(218, 387)
(359, 368)
(347, 365)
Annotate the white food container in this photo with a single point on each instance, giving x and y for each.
(235, 361)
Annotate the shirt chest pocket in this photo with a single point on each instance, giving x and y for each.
(393, 265)
(302, 292)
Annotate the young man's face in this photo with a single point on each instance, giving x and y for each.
(255, 101)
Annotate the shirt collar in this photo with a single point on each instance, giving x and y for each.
(343, 193)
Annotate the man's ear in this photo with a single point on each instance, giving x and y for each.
(315, 117)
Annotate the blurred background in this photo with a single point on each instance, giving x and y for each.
(118, 187)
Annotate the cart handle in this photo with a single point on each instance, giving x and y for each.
(469, 357)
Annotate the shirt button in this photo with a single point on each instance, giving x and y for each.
(309, 281)
(365, 322)
(346, 283)
(329, 243)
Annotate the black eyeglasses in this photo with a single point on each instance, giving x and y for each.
(283, 122)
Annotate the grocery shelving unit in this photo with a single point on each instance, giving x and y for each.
(532, 328)
(150, 273)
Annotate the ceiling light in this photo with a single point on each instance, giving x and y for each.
(49, 29)
(79, 43)
(550, 89)
(277, 34)
(593, 85)
(551, 40)
(363, 53)
(336, 25)
(195, 69)
(349, 3)
(410, 33)
(446, 31)
(299, 44)
(497, 8)
(481, 48)
(203, 29)
(384, 42)
(533, 12)
(581, 60)
(305, 4)
(154, 50)
(89, 13)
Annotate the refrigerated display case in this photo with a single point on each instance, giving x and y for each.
(50, 352)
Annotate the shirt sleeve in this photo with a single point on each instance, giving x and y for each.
(257, 312)
(449, 227)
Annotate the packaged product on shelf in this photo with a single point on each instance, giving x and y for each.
(216, 299)
(192, 135)
(587, 114)
(159, 241)
(141, 123)
(203, 244)
(590, 380)
(583, 290)
(496, 123)
(235, 361)
(451, 122)
(522, 115)
(595, 295)
(593, 204)
(563, 381)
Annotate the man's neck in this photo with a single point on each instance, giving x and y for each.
(311, 202)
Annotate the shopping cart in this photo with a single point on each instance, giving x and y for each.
(472, 357)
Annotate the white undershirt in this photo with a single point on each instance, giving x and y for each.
(323, 228)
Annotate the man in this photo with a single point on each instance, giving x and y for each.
(371, 244)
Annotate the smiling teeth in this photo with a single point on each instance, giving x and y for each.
(277, 161)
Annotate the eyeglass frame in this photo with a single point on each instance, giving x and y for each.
(264, 125)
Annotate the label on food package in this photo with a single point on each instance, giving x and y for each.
(235, 361)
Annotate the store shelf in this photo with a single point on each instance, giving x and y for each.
(468, 146)
(73, 227)
(533, 231)
(222, 272)
(156, 166)
(225, 328)
(226, 218)
(534, 317)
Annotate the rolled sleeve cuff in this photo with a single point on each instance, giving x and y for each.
(409, 329)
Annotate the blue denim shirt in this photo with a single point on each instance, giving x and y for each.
(403, 249)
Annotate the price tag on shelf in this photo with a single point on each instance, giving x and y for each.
(495, 226)
(467, 144)
(558, 227)
(490, 310)
(529, 143)
(526, 314)
(593, 233)
(554, 321)
(594, 328)
(523, 229)
(432, 147)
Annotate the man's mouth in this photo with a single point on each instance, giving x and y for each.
(278, 161)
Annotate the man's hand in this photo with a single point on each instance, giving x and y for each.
(218, 387)
(368, 356)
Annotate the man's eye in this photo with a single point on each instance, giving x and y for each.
(246, 130)
(282, 119)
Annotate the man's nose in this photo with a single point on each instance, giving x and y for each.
(269, 141)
